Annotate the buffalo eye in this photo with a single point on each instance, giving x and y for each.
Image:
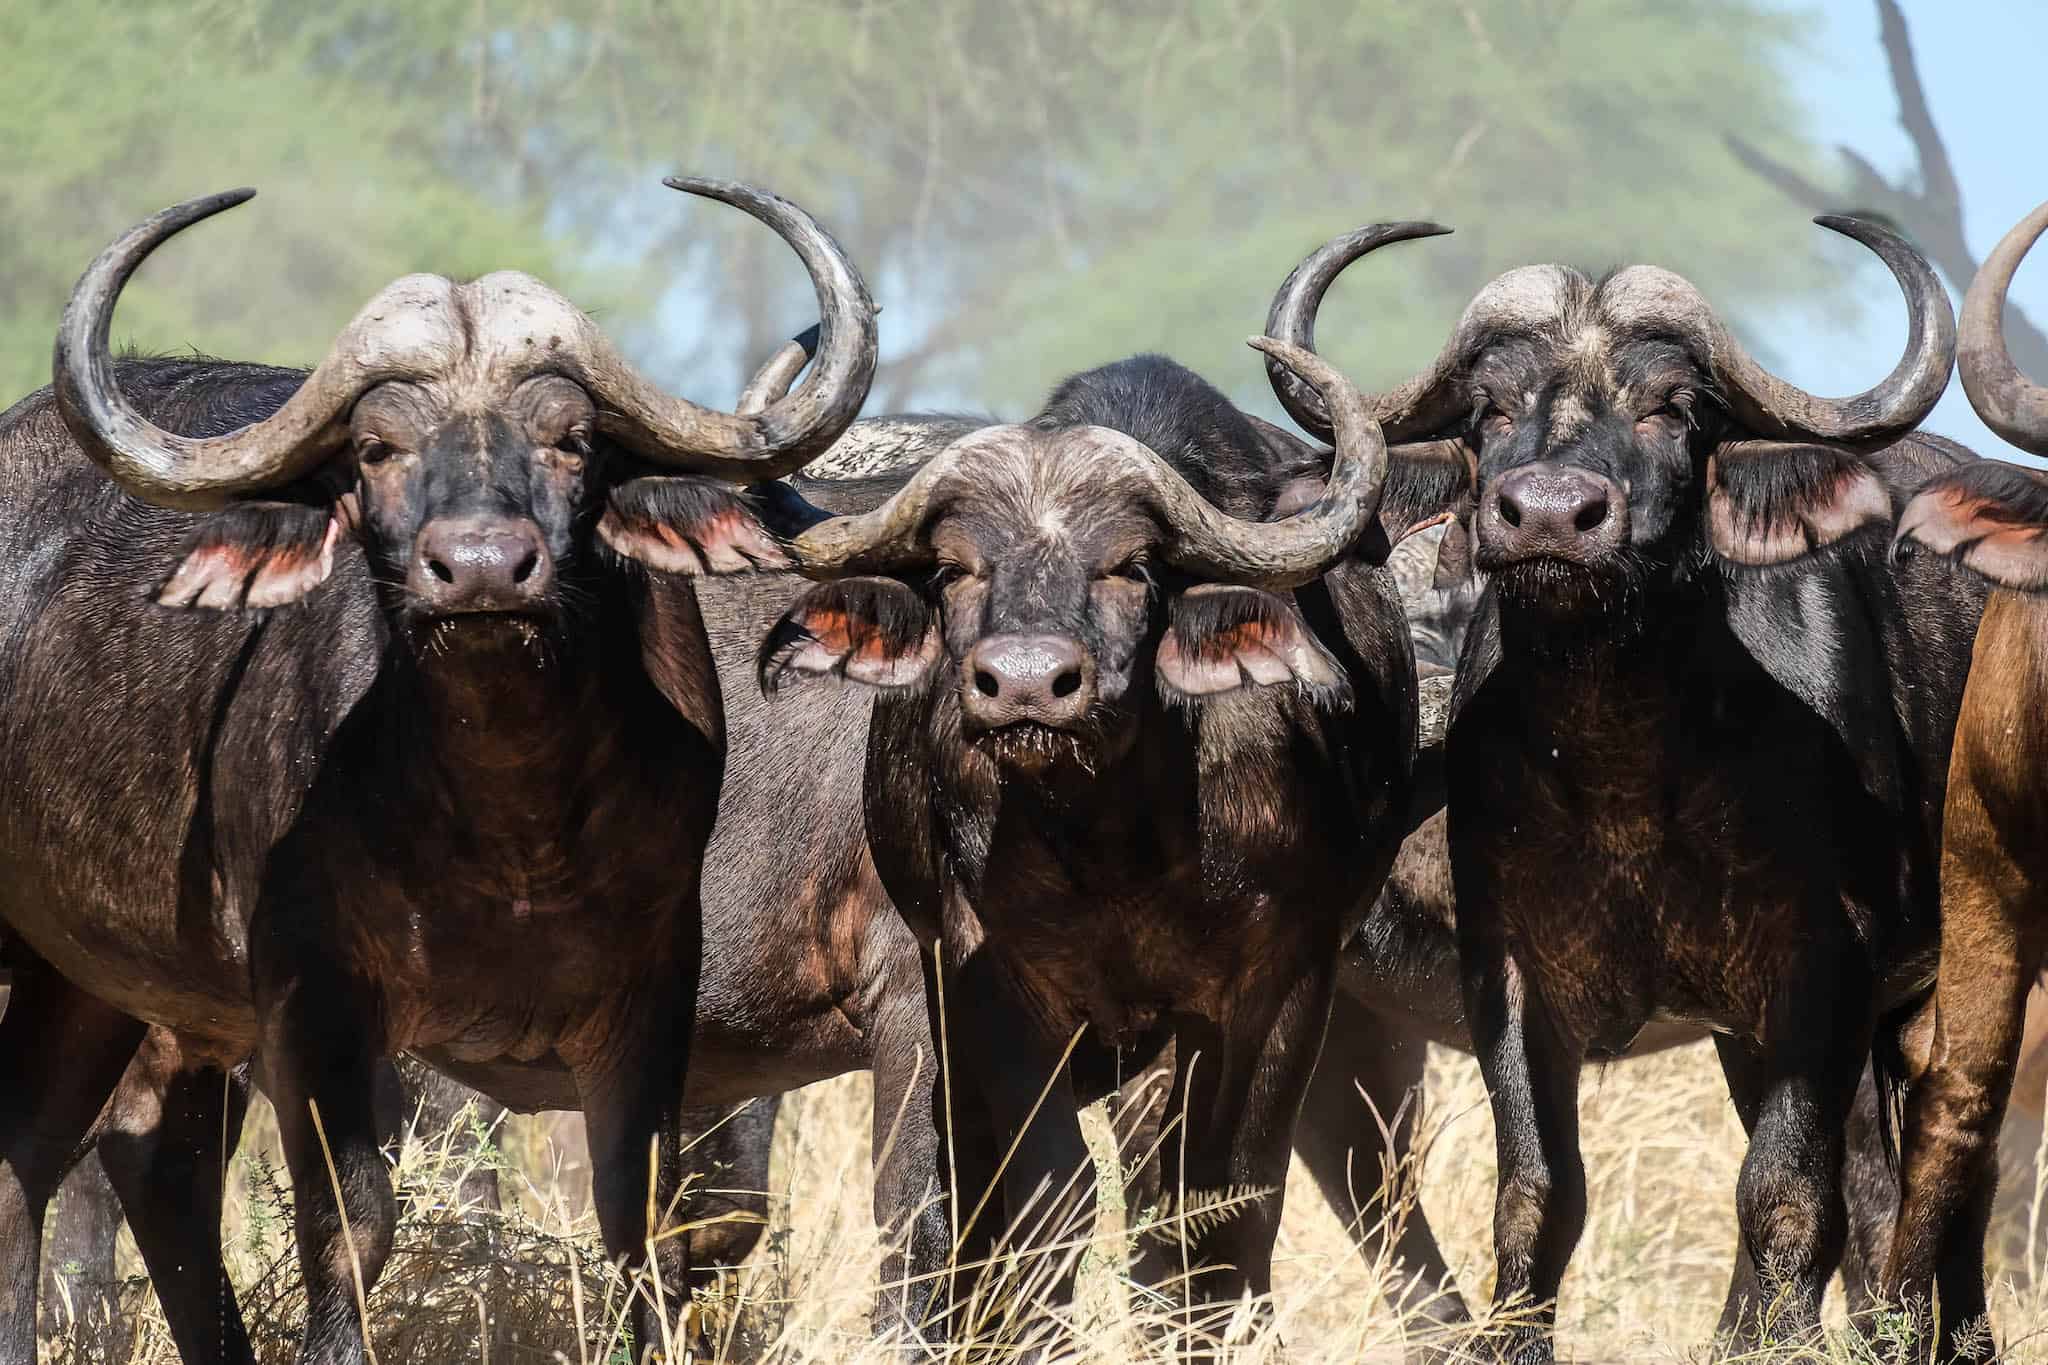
(1135, 569)
(952, 579)
(372, 450)
(1489, 418)
(1675, 412)
(576, 441)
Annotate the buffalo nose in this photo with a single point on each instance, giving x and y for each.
(1049, 679)
(1555, 509)
(480, 563)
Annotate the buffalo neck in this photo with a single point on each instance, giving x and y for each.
(517, 742)
(1124, 821)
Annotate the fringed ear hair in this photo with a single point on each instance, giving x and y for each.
(254, 554)
(686, 525)
(873, 631)
(1222, 638)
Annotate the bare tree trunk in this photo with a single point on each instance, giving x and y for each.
(1931, 213)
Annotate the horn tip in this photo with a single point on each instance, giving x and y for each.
(710, 187)
(1851, 225)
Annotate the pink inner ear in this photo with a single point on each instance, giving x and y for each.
(1255, 653)
(839, 644)
(728, 542)
(1854, 498)
(224, 576)
(1953, 521)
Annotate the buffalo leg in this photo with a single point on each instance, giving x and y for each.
(1368, 1071)
(168, 1175)
(1044, 1192)
(1994, 929)
(965, 1161)
(415, 1102)
(1789, 1196)
(1238, 1087)
(1532, 1082)
(634, 1122)
(321, 1048)
(78, 1245)
(909, 1193)
(725, 1158)
(62, 1053)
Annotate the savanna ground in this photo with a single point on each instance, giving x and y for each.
(1661, 1144)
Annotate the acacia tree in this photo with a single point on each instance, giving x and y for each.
(1031, 187)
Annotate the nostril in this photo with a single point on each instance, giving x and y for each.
(526, 568)
(985, 682)
(1510, 510)
(1591, 515)
(1067, 683)
(440, 571)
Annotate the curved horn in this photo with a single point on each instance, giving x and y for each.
(183, 471)
(1292, 319)
(1300, 549)
(789, 432)
(773, 379)
(1204, 540)
(2011, 404)
(1768, 406)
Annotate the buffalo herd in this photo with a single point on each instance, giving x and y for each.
(472, 698)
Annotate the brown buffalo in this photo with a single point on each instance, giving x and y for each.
(1992, 519)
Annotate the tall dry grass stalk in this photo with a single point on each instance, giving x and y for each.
(532, 1284)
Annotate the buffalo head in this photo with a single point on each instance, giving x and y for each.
(1051, 576)
(480, 440)
(1613, 430)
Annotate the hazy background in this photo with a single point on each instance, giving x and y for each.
(1030, 188)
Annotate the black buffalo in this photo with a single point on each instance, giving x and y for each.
(441, 779)
(1136, 767)
(1699, 735)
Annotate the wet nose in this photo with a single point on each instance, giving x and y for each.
(1049, 679)
(1555, 509)
(480, 563)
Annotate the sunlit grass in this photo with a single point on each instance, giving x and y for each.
(1661, 1144)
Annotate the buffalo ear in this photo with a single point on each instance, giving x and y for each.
(1425, 481)
(254, 554)
(874, 631)
(1221, 638)
(1990, 517)
(1770, 502)
(682, 524)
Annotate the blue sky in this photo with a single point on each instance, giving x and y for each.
(1984, 64)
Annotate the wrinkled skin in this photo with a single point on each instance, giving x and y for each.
(1695, 771)
(1149, 863)
(522, 760)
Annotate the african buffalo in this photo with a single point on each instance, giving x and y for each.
(1699, 733)
(455, 798)
(1135, 769)
(1991, 519)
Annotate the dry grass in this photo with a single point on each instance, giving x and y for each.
(1661, 1145)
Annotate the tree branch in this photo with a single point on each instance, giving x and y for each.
(1931, 213)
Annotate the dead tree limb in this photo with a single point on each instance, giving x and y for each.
(1926, 204)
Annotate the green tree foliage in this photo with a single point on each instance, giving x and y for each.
(1030, 187)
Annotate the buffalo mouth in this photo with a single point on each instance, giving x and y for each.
(1029, 748)
(448, 635)
(1554, 586)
